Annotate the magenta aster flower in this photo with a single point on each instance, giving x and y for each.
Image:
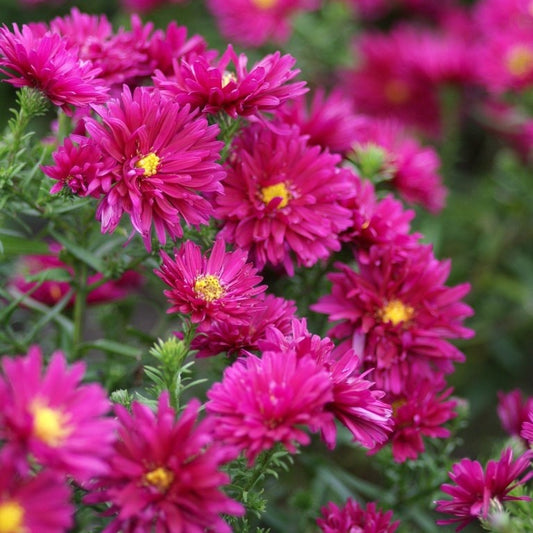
(282, 199)
(165, 473)
(527, 428)
(261, 402)
(354, 517)
(33, 503)
(53, 417)
(476, 487)
(397, 313)
(227, 85)
(220, 287)
(44, 62)
(164, 160)
(513, 410)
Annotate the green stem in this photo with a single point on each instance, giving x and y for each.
(80, 304)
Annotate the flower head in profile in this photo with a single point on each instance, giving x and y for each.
(354, 517)
(49, 414)
(39, 502)
(165, 473)
(228, 85)
(223, 286)
(45, 62)
(269, 400)
(475, 487)
(282, 199)
(164, 162)
(513, 410)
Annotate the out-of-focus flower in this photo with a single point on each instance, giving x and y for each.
(227, 85)
(282, 199)
(49, 414)
(475, 487)
(513, 410)
(165, 473)
(354, 517)
(143, 6)
(45, 62)
(165, 159)
(220, 287)
(527, 428)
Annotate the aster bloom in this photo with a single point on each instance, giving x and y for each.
(254, 22)
(269, 400)
(164, 161)
(49, 414)
(33, 503)
(396, 313)
(165, 473)
(527, 428)
(354, 517)
(513, 411)
(227, 84)
(233, 339)
(475, 487)
(220, 287)
(282, 199)
(44, 62)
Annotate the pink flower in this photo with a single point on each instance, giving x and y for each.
(52, 416)
(33, 503)
(282, 199)
(143, 6)
(254, 22)
(212, 85)
(475, 487)
(513, 410)
(44, 62)
(165, 473)
(261, 402)
(164, 160)
(225, 336)
(527, 428)
(396, 313)
(220, 287)
(354, 517)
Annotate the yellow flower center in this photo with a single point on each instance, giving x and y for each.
(227, 77)
(264, 4)
(160, 478)
(208, 287)
(11, 517)
(397, 92)
(49, 425)
(149, 163)
(396, 312)
(279, 190)
(520, 60)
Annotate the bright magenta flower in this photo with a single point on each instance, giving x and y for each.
(261, 402)
(527, 428)
(253, 22)
(44, 62)
(396, 313)
(38, 503)
(165, 473)
(476, 487)
(354, 517)
(513, 410)
(282, 199)
(164, 161)
(49, 414)
(220, 287)
(227, 85)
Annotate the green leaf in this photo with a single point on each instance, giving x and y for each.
(110, 346)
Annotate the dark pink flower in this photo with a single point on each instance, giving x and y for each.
(165, 473)
(143, 6)
(164, 161)
(527, 428)
(282, 199)
(261, 402)
(476, 487)
(45, 62)
(355, 518)
(513, 410)
(227, 84)
(49, 414)
(220, 287)
(33, 503)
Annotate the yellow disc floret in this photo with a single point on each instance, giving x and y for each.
(279, 190)
(397, 92)
(11, 517)
(520, 60)
(264, 4)
(49, 425)
(149, 163)
(160, 478)
(396, 312)
(208, 287)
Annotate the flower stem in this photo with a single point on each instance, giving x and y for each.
(80, 304)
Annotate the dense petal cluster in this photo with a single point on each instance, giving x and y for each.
(165, 473)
